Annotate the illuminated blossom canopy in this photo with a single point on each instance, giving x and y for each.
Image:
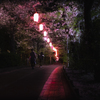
(60, 20)
(30, 19)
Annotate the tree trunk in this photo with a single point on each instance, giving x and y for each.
(12, 43)
(97, 64)
(88, 39)
(88, 23)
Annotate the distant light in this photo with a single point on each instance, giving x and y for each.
(48, 40)
(41, 27)
(36, 17)
(45, 33)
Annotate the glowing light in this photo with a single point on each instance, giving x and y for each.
(57, 58)
(54, 49)
(45, 38)
(48, 40)
(36, 17)
(50, 44)
(56, 54)
(41, 27)
(45, 33)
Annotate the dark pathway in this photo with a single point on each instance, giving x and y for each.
(29, 84)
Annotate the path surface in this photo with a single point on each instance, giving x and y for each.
(46, 83)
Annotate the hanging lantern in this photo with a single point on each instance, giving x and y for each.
(36, 17)
(45, 33)
(56, 54)
(57, 58)
(48, 40)
(54, 49)
(50, 44)
(45, 38)
(41, 27)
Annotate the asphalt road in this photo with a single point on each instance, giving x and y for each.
(24, 83)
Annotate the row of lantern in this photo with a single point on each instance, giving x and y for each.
(36, 19)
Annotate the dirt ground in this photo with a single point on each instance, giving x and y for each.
(88, 89)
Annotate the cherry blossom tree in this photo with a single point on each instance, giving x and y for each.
(21, 17)
(25, 33)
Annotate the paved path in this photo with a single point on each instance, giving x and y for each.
(46, 83)
(56, 87)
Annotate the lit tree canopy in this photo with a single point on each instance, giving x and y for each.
(60, 18)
